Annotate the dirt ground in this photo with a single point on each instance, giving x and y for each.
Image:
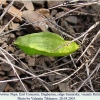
(77, 21)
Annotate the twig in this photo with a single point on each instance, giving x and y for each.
(57, 61)
(80, 6)
(17, 29)
(63, 69)
(92, 27)
(8, 61)
(97, 67)
(11, 20)
(87, 70)
(69, 75)
(6, 9)
(8, 54)
(15, 79)
(73, 61)
(89, 45)
(85, 83)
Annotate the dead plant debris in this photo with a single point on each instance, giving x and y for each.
(74, 20)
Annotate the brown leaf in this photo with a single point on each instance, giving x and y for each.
(30, 60)
(28, 5)
(52, 23)
(39, 3)
(36, 18)
(71, 19)
(13, 26)
(65, 86)
(9, 88)
(2, 86)
(52, 3)
(52, 77)
(6, 67)
(44, 12)
(39, 18)
(3, 2)
(13, 11)
(3, 77)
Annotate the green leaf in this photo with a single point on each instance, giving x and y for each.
(45, 43)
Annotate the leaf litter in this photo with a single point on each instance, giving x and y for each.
(77, 20)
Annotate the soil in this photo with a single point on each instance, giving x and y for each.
(78, 72)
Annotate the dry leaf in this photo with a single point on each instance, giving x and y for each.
(96, 7)
(68, 26)
(3, 2)
(71, 19)
(36, 18)
(64, 87)
(28, 5)
(52, 3)
(52, 77)
(13, 11)
(9, 88)
(44, 12)
(2, 87)
(52, 23)
(39, 3)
